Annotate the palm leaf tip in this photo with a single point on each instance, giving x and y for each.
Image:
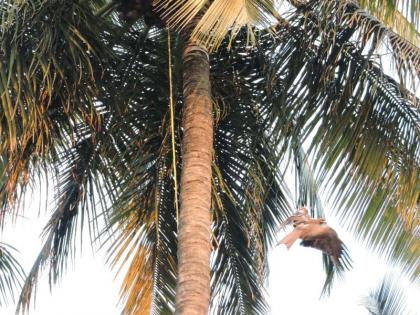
(11, 274)
(388, 298)
(403, 17)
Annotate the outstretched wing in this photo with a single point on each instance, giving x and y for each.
(290, 238)
(327, 241)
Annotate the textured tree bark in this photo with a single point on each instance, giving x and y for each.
(194, 248)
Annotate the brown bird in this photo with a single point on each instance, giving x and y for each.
(313, 233)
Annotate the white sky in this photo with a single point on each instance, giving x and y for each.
(296, 278)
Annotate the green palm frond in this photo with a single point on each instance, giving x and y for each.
(331, 18)
(402, 16)
(387, 299)
(387, 231)
(145, 225)
(11, 274)
(75, 204)
(145, 239)
(357, 120)
(53, 56)
(78, 187)
(144, 163)
(54, 59)
(142, 217)
(249, 195)
(404, 48)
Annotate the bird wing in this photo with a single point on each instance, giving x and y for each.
(327, 241)
(290, 238)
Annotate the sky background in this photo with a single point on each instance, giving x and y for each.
(295, 282)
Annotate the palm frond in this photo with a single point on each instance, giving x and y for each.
(215, 19)
(387, 299)
(358, 121)
(145, 228)
(307, 191)
(142, 223)
(249, 196)
(75, 203)
(53, 55)
(145, 238)
(402, 16)
(404, 48)
(366, 33)
(11, 274)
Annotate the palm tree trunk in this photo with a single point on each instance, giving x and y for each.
(194, 248)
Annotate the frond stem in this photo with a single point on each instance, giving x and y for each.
(106, 9)
(172, 111)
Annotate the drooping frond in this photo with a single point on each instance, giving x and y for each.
(404, 48)
(308, 195)
(145, 239)
(379, 42)
(54, 55)
(357, 120)
(307, 189)
(144, 219)
(75, 205)
(401, 16)
(142, 216)
(249, 197)
(11, 274)
(387, 299)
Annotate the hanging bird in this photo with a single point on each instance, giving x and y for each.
(313, 233)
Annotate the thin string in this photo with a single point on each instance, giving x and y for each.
(172, 110)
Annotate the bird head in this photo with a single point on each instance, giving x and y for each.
(302, 211)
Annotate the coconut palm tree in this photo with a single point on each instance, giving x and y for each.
(85, 99)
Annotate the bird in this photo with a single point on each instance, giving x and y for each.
(314, 233)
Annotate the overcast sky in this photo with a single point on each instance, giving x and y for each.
(296, 278)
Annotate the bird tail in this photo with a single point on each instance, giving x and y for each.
(290, 238)
(307, 243)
